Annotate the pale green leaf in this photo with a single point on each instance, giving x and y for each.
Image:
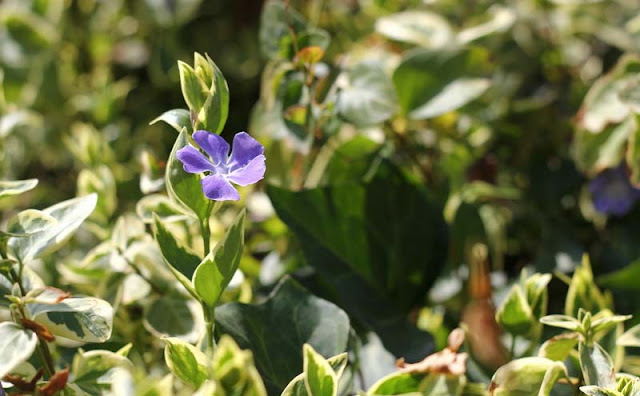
(15, 187)
(16, 346)
(216, 270)
(69, 215)
(186, 361)
(320, 379)
(84, 319)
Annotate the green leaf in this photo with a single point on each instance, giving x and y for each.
(85, 319)
(602, 105)
(562, 321)
(527, 376)
(369, 97)
(633, 156)
(594, 152)
(423, 28)
(69, 215)
(16, 346)
(162, 206)
(398, 383)
(630, 338)
(32, 33)
(186, 362)
(194, 90)
(597, 366)
(583, 292)
(605, 321)
(178, 257)
(297, 385)
(514, 314)
(29, 222)
(376, 246)
(15, 187)
(235, 371)
(101, 181)
(319, 379)
(455, 95)
(592, 390)
(433, 82)
(277, 329)
(502, 18)
(559, 347)
(274, 34)
(177, 118)
(216, 270)
(184, 188)
(213, 114)
(630, 94)
(443, 385)
(93, 371)
(173, 317)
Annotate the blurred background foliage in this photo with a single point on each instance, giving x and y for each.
(437, 142)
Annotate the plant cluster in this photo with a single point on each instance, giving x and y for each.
(437, 179)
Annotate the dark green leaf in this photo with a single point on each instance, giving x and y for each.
(173, 317)
(276, 331)
(177, 256)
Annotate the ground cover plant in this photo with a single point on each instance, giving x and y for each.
(328, 197)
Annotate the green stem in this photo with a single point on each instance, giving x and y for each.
(210, 323)
(45, 356)
(206, 236)
(512, 349)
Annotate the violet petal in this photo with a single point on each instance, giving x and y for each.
(212, 144)
(245, 148)
(249, 174)
(193, 161)
(218, 188)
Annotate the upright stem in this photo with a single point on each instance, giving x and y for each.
(42, 346)
(209, 315)
(210, 323)
(206, 236)
(45, 356)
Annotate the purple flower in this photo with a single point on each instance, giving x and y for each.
(244, 166)
(612, 192)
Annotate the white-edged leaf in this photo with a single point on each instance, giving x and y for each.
(29, 222)
(16, 346)
(69, 215)
(84, 319)
(177, 118)
(455, 95)
(423, 28)
(186, 361)
(319, 379)
(217, 269)
(15, 187)
(369, 97)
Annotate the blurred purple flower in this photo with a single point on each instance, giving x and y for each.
(245, 165)
(612, 192)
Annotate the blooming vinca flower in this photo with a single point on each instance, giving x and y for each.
(245, 165)
(612, 192)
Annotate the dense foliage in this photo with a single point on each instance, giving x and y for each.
(449, 203)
